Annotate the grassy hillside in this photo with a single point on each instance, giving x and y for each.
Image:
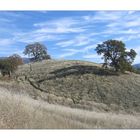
(82, 84)
(18, 110)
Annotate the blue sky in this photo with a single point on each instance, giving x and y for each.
(68, 34)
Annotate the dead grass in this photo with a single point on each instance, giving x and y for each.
(21, 111)
(82, 84)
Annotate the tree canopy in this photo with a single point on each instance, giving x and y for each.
(10, 64)
(36, 52)
(15, 60)
(115, 55)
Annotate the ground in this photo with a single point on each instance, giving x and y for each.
(69, 94)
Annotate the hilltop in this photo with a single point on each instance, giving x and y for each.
(81, 84)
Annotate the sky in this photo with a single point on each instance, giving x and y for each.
(70, 35)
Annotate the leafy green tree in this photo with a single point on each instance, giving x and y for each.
(115, 55)
(36, 52)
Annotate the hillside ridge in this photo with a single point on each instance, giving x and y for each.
(82, 84)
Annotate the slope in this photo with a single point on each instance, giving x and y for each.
(82, 84)
(18, 110)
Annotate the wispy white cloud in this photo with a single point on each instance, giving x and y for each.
(104, 16)
(71, 35)
(52, 30)
(63, 25)
(66, 54)
(33, 36)
(60, 29)
(70, 52)
(95, 56)
(65, 43)
(6, 42)
(57, 22)
(5, 20)
(131, 12)
(79, 40)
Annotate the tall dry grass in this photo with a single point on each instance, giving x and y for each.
(18, 110)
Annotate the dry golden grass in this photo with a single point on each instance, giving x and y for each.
(83, 84)
(17, 110)
(114, 100)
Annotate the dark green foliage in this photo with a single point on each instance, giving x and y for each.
(36, 52)
(5, 67)
(115, 55)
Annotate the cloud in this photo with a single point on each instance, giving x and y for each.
(104, 16)
(62, 25)
(52, 30)
(34, 36)
(65, 43)
(57, 22)
(6, 42)
(87, 48)
(79, 40)
(131, 12)
(70, 52)
(137, 60)
(95, 56)
(64, 55)
(72, 35)
(5, 20)
(9, 50)
(60, 29)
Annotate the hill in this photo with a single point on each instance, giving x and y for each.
(18, 110)
(136, 66)
(81, 84)
(26, 60)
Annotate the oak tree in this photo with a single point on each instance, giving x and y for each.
(115, 55)
(36, 52)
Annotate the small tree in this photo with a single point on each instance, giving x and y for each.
(10, 64)
(115, 55)
(36, 52)
(15, 60)
(5, 67)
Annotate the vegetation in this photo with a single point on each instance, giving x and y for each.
(10, 64)
(17, 110)
(5, 67)
(136, 70)
(110, 97)
(15, 60)
(115, 55)
(36, 51)
(82, 84)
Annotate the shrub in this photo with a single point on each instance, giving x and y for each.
(10, 64)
